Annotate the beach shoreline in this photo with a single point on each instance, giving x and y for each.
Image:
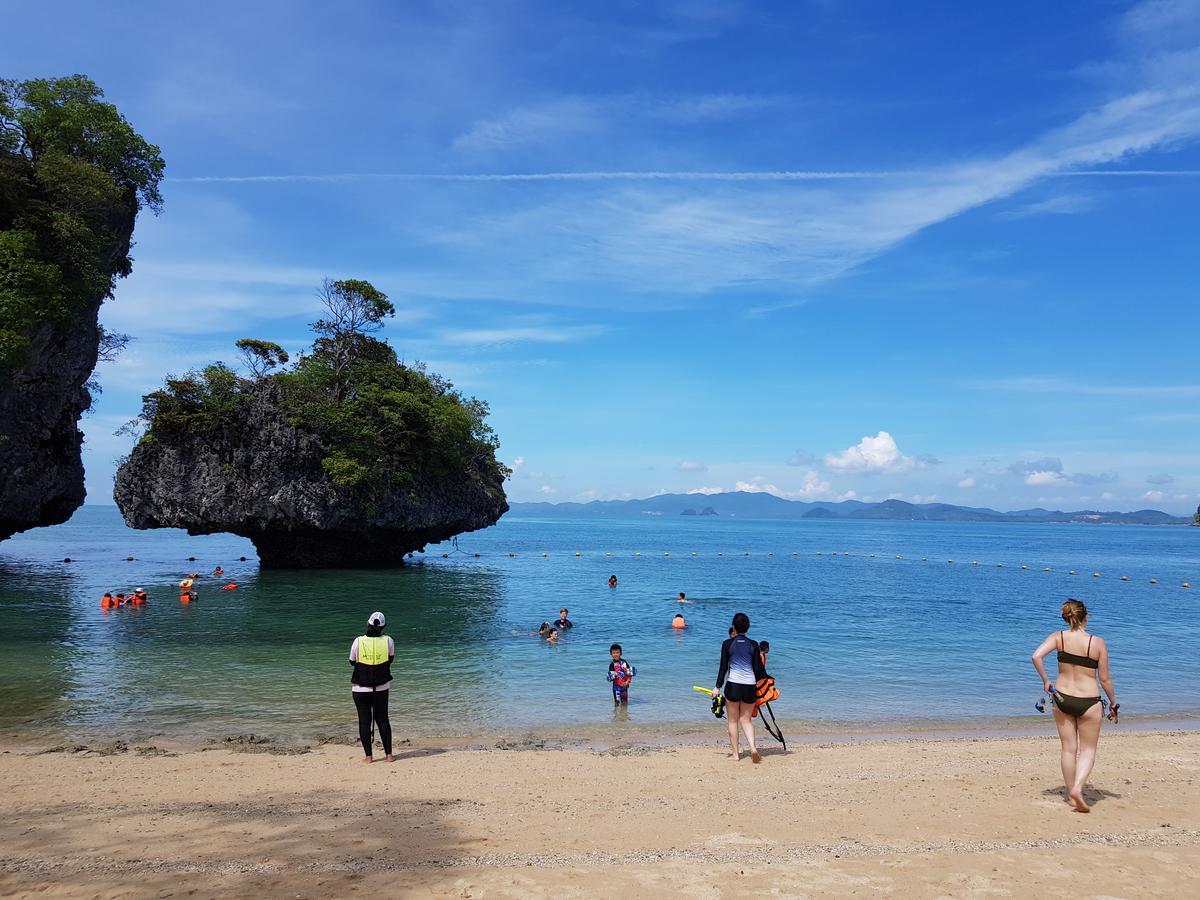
(587, 735)
(915, 816)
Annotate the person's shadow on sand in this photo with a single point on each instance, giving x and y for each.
(1091, 795)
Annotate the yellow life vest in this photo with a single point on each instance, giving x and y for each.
(372, 651)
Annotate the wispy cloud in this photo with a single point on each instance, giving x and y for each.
(641, 175)
(1060, 205)
(1034, 385)
(544, 334)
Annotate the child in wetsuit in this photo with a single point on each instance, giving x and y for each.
(620, 673)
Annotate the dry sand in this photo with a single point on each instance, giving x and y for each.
(905, 818)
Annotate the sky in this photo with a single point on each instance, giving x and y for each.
(828, 249)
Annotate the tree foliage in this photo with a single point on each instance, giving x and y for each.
(382, 424)
(73, 174)
(260, 357)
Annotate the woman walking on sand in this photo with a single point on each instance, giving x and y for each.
(371, 654)
(1082, 658)
(741, 668)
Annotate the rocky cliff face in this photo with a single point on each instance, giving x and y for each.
(262, 478)
(41, 472)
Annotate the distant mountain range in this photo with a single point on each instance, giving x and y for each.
(758, 505)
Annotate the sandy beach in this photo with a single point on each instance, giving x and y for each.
(906, 818)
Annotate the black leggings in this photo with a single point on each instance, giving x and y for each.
(370, 704)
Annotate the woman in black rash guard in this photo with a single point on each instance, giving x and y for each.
(371, 655)
(741, 668)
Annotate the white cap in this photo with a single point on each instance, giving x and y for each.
(376, 618)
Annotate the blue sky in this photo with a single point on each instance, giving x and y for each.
(825, 249)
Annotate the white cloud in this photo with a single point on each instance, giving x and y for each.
(707, 490)
(872, 454)
(548, 334)
(688, 465)
(967, 483)
(1059, 204)
(1108, 495)
(545, 489)
(1154, 496)
(1035, 479)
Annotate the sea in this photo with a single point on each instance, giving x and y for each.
(872, 625)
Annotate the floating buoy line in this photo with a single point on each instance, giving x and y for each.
(666, 554)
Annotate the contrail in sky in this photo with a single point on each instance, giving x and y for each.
(645, 176)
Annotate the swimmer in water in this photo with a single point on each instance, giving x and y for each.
(683, 598)
(678, 621)
(218, 572)
(552, 637)
(612, 580)
(544, 630)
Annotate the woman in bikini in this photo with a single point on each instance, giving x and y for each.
(1082, 658)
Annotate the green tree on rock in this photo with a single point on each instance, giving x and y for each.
(73, 174)
(261, 357)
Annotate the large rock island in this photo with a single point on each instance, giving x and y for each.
(348, 459)
(73, 175)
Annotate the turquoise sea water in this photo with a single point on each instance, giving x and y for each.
(858, 638)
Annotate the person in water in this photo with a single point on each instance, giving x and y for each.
(683, 598)
(552, 637)
(1082, 659)
(563, 622)
(139, 597)
(544, 630)
(612, 580)
(678, 621)
(371, 656)
(621, 673)
(218, 572)
(764, 647)
(740, 669)
(107, 600)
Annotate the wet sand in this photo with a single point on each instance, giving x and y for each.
(917, 817)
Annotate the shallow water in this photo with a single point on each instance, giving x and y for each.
(857, 639)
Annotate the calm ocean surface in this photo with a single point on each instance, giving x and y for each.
(856, 639)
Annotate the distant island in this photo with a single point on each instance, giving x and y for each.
(759, 505)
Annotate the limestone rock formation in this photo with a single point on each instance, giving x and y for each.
(261, 477)
(41, 472)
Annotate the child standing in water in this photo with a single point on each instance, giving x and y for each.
(620, 673)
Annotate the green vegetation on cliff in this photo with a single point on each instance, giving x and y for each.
(69, 162)
(381, 423)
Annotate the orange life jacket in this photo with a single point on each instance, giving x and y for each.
(764, 692)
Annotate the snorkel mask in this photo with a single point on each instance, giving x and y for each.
(718, 706)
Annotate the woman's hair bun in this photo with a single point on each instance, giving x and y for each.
(1074, 613)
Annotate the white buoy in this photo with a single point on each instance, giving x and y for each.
(1024, 566)
(999, 565)
(665, 553)
(898, 556)
(1095, 574)
(637, 552)
(1154, 581)
(579, 554)
(974, 562)
(1124, 577)
(1071, 572)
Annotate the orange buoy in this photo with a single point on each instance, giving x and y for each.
(232, 586)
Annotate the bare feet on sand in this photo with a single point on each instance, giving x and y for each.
(368, 759)
(390, 758)
(1077, 801)
(754, 757)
